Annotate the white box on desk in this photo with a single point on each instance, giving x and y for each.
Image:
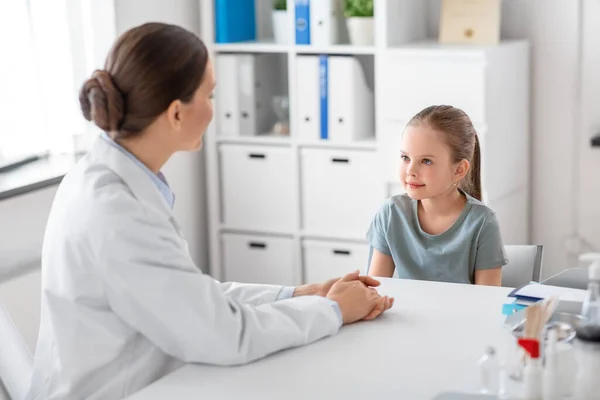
(341, 191)
(325, 259)
(257, 187)
(258, 259)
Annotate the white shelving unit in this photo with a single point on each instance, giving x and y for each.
(287, 210)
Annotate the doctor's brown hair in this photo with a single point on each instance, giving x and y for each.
(456, 129)
(147, 68)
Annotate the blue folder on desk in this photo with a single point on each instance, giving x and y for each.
(527, 295)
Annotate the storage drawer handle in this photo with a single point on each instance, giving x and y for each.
(340, 160)
(257, 245)
(257, 156)
(341, 252)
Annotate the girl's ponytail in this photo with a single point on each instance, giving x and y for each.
(474, 187)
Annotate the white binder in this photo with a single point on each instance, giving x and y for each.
(247, 85)
(247, 94)
(351, 107)
(325, 17)
(307, 84)
(226, 94)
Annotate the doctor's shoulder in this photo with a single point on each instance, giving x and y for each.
(93, 193)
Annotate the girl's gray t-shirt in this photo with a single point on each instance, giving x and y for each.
(472, 243)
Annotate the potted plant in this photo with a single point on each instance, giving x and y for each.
(280, 21)
(359, 20)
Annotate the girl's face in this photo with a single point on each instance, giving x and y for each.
(426, 166)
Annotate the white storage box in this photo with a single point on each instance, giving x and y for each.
(417, 78)
(324, 260)
(258, 259)
(258, 188)
(341, 192)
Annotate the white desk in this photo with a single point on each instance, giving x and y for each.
(428, 343)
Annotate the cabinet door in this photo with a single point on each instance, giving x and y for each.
(258, 259)
(324, 260)
(257, 188)
(417, 80)
(341, 192)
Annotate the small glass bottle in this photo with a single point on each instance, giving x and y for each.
(587, 348)
(489, 371)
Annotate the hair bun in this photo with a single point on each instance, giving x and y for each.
(102, 102)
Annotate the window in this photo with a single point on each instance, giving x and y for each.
(48, 49)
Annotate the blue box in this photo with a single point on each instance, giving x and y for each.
(235, 21)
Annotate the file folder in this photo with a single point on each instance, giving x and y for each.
(309, 97)
(324, 22)
(351, 107)
(226, 96)
(248, 83)
(302, 20)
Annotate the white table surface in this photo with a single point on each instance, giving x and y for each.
(429, 342)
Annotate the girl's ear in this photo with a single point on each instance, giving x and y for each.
(462, 169)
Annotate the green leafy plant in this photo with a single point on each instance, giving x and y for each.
(280, 5)
(358, 8)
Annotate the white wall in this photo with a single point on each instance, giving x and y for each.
(589, 184)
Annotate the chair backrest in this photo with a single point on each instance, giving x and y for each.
(524, 265)
(16, 360)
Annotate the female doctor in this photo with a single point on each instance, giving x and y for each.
(123, 303)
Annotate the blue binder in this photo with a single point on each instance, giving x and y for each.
(235, 21)
(324, 95)
(302, 11)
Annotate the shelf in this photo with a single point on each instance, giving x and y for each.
(320, 236)
(251, 47)
(262, 139)
(334, 49)
(433, 45)
(258, 232)
(369, 144)
(270, 47)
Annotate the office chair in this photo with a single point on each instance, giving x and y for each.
(524, 265)
(16, 360)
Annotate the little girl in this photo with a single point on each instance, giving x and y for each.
(439, 230)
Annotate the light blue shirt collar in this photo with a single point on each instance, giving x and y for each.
(159, 179)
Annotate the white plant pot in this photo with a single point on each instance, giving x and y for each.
(360, 30)
(281, 26)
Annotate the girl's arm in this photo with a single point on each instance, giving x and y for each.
(489, 277)
(381, 265)
(491, 256)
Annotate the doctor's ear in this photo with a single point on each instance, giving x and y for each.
(174, 114)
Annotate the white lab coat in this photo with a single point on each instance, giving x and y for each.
(123, 303)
